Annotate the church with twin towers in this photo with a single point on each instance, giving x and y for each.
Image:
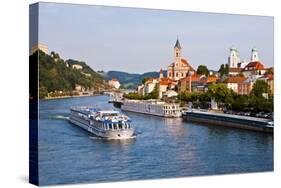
(234, 60)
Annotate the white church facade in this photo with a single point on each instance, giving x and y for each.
(236, 66)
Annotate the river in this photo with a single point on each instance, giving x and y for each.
(163, 148)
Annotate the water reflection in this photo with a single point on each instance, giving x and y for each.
(175, 126)
(114, 141)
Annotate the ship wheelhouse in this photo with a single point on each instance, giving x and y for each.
(121, 125)
(111, 120)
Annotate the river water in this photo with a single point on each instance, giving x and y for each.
(163, 148)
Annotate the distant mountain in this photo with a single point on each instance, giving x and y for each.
(121, 76)
(130, 80)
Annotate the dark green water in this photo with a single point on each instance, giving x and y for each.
(164, 148)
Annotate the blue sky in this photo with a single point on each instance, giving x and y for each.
(142, 40)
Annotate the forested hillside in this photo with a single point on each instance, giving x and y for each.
(55, 75)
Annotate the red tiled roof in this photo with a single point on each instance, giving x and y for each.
(235, 69)
(184, 61)
(236, 79)
(194, 78)
(165, 81)
(212, 79)
(255, 64)
(150, 80)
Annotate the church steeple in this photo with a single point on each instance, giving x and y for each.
(255, 54)
(177, 52)
(177, 45)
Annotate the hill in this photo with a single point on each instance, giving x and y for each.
(55, 75)
(130, 80)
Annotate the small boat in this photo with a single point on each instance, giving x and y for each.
(109, 124)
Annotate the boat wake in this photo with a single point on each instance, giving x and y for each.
(59, 117)
(95, 138)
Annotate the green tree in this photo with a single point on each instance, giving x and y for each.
(240, 102)
(259, 104)
(55, 55)
(133, 95)
(144, 80)
(224, 69)
(219, 92)
(259, 87)
(202, 69)
(43, 92)
(153, 95)
(270, 71)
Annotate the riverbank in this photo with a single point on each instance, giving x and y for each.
(219, 119)
(70, 96)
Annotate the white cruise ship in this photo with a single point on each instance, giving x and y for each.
(109, 124)
(153, 107)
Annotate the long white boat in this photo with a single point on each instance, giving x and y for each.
(152, 107)
(109, 124)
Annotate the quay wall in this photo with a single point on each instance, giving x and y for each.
(227, 122)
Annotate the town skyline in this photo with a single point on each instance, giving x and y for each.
(144, 41)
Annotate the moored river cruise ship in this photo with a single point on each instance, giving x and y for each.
(152, 107)
(109, 124)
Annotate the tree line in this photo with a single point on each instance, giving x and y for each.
(228, 99)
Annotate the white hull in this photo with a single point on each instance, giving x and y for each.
(151, 113)
(157, 109)
(108, 134)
